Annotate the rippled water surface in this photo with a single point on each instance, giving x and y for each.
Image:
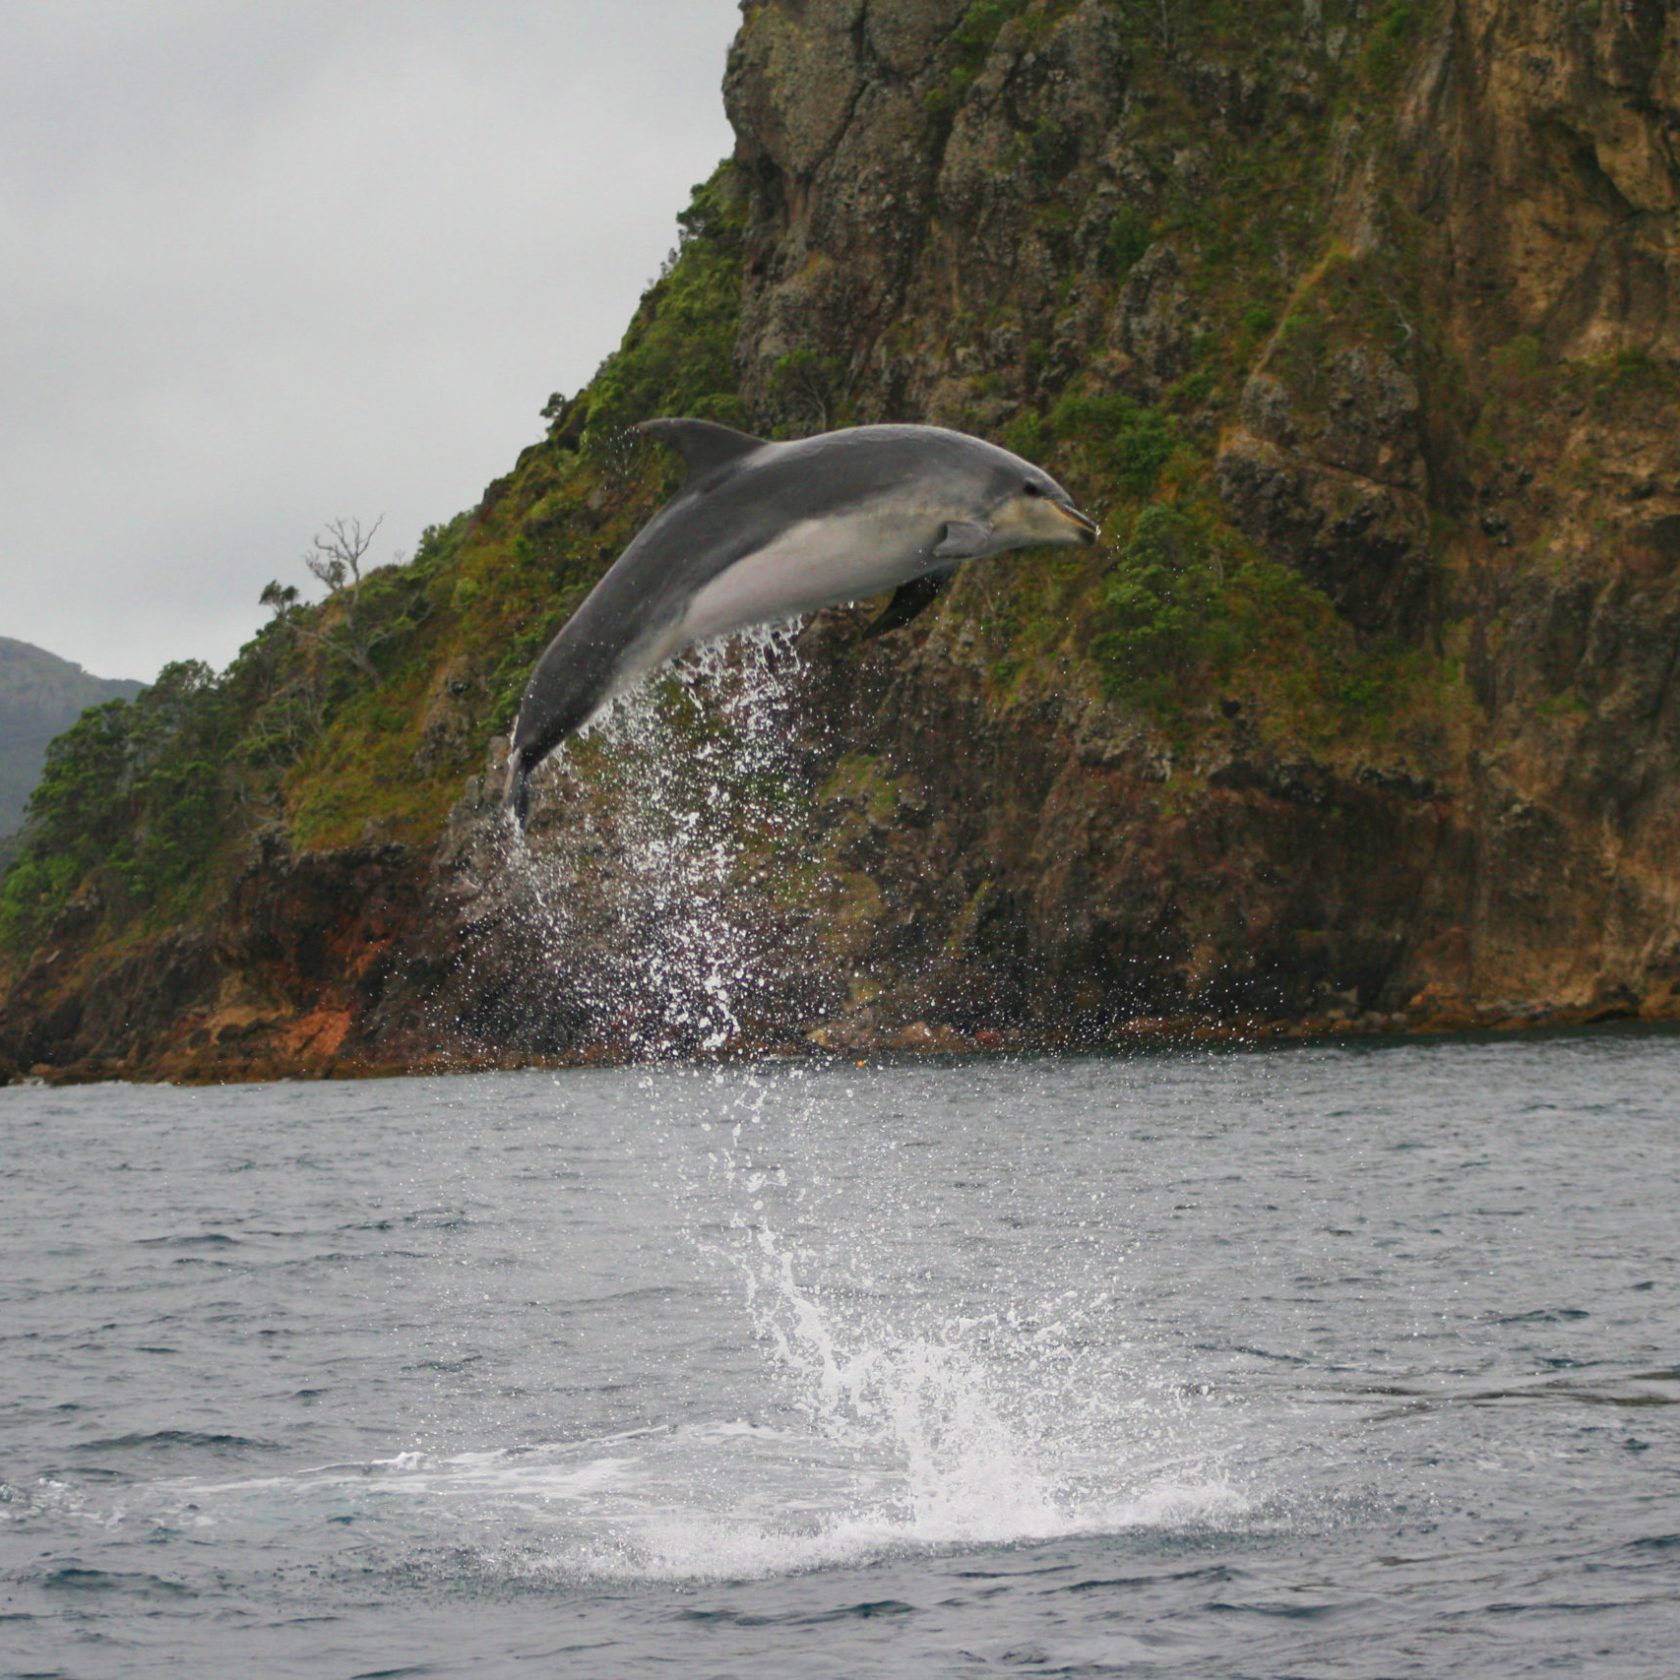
(1330, 1362)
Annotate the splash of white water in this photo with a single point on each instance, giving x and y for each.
(675, 803)
(988, 1427)
(916, 1428)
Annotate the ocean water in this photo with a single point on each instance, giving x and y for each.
(1333, 1361)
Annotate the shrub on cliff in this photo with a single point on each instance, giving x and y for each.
(678, 356)
(1155, 604)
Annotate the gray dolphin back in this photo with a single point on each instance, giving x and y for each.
(641, 595)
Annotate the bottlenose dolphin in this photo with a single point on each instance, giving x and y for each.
(761, 532)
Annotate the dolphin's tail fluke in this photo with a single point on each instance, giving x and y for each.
(516, 795)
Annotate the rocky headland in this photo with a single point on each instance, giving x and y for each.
(1358, 327)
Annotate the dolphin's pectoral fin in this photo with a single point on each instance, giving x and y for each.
(910, 600)
(702, 444)
(962, 539)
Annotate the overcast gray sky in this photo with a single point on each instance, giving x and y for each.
(265, 264)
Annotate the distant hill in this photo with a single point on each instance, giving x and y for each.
(41, 695)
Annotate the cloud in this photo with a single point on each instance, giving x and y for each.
(262, 266)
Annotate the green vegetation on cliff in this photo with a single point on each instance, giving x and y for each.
(148, 807)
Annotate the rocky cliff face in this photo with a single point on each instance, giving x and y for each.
(1357, 326)
(1434, 248)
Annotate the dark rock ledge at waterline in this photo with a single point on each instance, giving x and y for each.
(1354, 324)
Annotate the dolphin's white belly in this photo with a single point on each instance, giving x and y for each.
(815, 563)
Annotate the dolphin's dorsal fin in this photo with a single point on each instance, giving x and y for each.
(703, 444)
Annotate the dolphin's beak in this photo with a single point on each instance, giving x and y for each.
(1087, 527)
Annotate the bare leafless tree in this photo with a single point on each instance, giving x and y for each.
(335, 556)
(296, 701)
